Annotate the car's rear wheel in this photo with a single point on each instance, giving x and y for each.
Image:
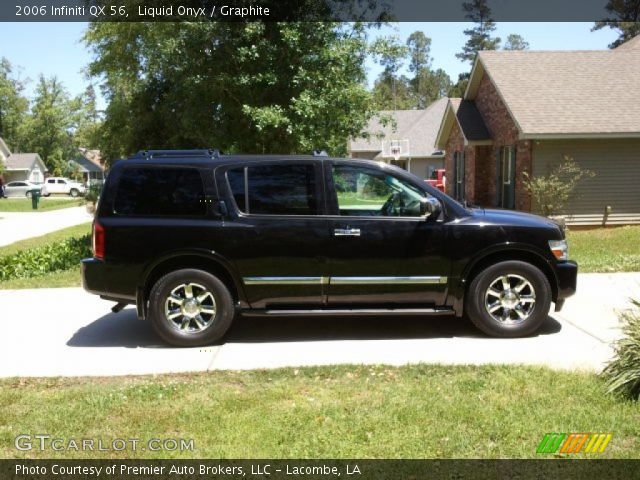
(509, 299)
(189, 308)
(74, 192)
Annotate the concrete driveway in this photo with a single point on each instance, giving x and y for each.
(67, 332)
(16, 226)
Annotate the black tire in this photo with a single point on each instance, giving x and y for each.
(28, 194)
(511, 324)
(169, 331)
(74, 192)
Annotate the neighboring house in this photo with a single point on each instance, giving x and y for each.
(90, 166)
(21, 166)
(4, 151)
(405, 138)
(523, 111)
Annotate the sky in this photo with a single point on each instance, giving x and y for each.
(57, 48)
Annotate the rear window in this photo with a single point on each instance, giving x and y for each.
(275, 189)
(160, 192)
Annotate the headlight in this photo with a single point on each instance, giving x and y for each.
(559, 249)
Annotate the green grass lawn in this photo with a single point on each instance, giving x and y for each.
(61, 279)
(53, 237)
(66, 278)
(346, 199)
(606, 249)
(324, 412)
(45, 204)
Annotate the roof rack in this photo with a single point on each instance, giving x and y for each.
(320, 153)
(213, 153)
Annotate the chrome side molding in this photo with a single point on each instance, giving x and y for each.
(387, 280)
(284, 280)
(429, 280)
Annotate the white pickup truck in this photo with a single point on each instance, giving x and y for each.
(60, 185)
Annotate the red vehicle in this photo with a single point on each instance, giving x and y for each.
(438, 179)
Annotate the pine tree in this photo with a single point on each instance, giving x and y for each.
(479, 37)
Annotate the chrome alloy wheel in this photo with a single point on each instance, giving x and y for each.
(190, 308)
(510, 299)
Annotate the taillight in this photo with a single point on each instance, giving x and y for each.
(98, 240)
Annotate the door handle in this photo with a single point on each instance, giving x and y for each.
(346, 232)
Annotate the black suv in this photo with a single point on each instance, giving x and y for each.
(194, 238)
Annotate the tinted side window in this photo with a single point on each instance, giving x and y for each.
(365, 192)
(160, 191)
(276, 189)
(237, 184)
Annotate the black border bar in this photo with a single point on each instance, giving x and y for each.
(296, 10)
(553, 468)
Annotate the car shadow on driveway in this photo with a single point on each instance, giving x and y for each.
(125, 330)
(121, 329)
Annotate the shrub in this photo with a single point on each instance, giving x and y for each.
(623, 372)
(92, 194)
(551, 193)
(48, 258)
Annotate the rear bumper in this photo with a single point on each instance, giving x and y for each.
(567, 274)
(93, 276)
(100, 278)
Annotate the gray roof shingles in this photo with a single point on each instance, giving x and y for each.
(419, 126)
(569, 92)
(21, 161)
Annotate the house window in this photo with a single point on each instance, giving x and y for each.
(458, 175)
(507, 177)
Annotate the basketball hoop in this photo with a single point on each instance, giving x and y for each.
(395, 149)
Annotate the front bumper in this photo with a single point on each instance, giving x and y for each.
(567, 274)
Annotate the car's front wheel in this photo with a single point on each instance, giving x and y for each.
(74, 192)
(189, 308)
(509, 299)
(28, 194)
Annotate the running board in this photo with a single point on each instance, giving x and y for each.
(347, 312)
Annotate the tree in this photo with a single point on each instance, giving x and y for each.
(427, 85)
(625, 19)
(13, 107)
(419, 46)
(391, 91)
(87, 133)
(239, 86)
(516, 42)
(458, 89)
(551, 193)
(479, 37)
(51, 124)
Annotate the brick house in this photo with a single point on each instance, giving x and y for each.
(523, 111)
(406, 138)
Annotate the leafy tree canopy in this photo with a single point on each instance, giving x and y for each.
(13, 106)
(240, 87)
(625, 18)
(49, 128)
(400, 92)
(516, 42)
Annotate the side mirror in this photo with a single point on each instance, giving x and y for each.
(430, 207)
